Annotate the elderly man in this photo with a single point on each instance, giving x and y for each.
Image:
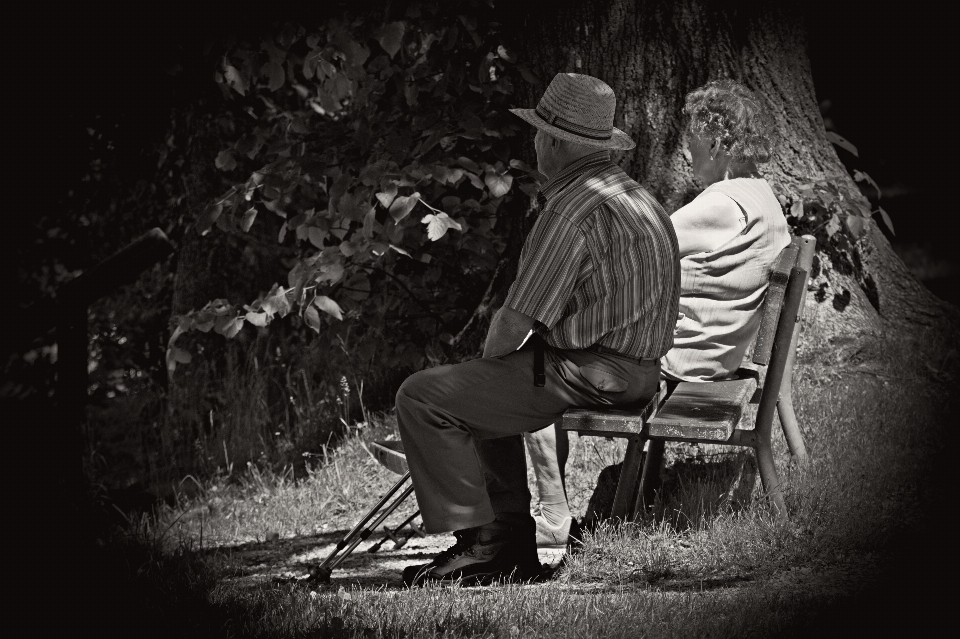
(598, 287)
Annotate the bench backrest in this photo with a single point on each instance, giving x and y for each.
(773, 302)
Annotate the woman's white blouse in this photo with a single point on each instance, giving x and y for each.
(722, 290)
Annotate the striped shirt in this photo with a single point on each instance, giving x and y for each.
(601, 265)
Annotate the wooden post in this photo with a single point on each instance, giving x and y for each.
(623, 499)
(70, 319)
(788, 417)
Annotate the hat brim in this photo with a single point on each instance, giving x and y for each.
(618, 139)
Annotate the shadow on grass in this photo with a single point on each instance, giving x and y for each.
(690, 489)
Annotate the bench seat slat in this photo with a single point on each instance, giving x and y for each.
(617, 422)
(389, 454)
(703, 411)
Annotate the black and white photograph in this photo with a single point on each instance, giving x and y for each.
(476, 318)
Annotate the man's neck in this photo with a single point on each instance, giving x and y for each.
(572, 158)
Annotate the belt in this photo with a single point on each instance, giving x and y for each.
(539, 374)
(603, 350)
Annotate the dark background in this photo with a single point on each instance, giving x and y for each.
(881, 71)
(884, 74)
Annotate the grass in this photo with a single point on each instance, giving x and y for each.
(710, 561)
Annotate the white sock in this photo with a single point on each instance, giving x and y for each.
(554, 509)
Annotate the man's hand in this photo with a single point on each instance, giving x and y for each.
(507, 332)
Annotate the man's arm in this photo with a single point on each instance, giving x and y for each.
(507, 331)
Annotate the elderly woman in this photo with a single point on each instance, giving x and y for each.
(729, 237)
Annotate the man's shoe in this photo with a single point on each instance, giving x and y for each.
(502, 551)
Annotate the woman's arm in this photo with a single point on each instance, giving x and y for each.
(707, 223)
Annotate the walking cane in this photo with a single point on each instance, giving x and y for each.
(351, 540)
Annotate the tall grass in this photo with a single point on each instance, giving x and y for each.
(253, 403)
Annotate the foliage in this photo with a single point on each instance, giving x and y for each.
(387, 151)
(838, 218)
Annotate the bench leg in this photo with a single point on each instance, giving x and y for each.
(770, 479)
(650, 479)
(623, 501)
(788, 417)
(791, 429)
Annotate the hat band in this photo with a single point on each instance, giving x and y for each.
(572, 127)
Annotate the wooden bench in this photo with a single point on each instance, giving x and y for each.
(711, 412)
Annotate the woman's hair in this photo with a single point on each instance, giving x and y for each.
(727, 111)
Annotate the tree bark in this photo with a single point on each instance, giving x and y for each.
(653, 53)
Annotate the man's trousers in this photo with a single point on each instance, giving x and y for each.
(462, 425)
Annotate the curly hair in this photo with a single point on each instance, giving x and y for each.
(727, 111)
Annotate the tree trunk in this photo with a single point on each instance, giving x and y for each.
(653, 53)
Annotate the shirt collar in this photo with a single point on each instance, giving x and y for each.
(554, 185)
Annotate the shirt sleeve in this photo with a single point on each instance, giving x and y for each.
(707, 223)
(549, 264)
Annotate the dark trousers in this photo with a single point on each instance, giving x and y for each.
(461, 425)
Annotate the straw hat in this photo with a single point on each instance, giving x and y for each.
(578, 108)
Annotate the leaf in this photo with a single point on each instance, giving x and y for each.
(316, 236)
(277, 303)
(796, 209)
(225, 160)
(399, 250)
(437, 225)
(354, 53)
(180, 356)
(208, 217)
(520, 164)
(387, 196)
(330, 273)
(468, 164)
(248, 219)
(204, 322)
(369, 223)
(327, 305)
(390, 37)
(250, 145)
(348, 249)
(275, 75)
(842, 142)
(257, 319)
(401, 206)
(855, 225)
(833, 225)
(235, 80)
(505, 54)
(228, 326)
(886, 219)
(499, 185)
(475, 181)
(312, 318)
(861, 176)
(528, 75)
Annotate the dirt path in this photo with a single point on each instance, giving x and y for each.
(286, 561)
(289, 560)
